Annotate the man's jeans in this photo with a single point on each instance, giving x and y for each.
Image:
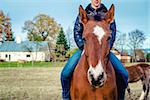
(66, 75)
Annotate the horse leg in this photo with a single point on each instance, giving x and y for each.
(145, 91)
(129, 92)
(143, 78)
(147, 74)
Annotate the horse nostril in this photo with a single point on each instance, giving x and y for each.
(90, 72)
(101, 76)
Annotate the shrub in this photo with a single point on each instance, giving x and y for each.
(148, 57)
(71, 52)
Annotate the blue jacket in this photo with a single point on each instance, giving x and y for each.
(98, 15)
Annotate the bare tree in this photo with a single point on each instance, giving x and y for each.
(136, 39)
(70, 37)
(140, 55)
(121, 41)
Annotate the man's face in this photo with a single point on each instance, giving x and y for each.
(96, 3)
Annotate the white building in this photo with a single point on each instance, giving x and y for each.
(23, 51)
(123, 57)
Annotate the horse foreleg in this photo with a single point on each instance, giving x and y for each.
(145, 92)
(144, 95)
(129, 92)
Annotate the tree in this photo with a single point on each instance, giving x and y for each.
(61, 44)
(71, 52)
(121, 42)
(140, 55)
(42, 28)
(68, 35)
(148, 57)
(70, 38)
(136, 39)
(9, 33)
(1, 34)
(6, 33)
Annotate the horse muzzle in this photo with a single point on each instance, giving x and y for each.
(96, 81)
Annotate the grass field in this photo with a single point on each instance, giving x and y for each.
(30, 64)
(37, 83)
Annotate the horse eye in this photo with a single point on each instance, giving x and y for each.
(109, 37)
(84, 39)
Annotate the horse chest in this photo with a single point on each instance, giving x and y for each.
(82, 90)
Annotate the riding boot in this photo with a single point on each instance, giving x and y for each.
(67, 72)
(121, 87)
(121, 94)
(121, 76)
(66, 89)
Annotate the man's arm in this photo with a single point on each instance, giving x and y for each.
(78, 30)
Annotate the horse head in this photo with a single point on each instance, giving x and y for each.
(97, 35)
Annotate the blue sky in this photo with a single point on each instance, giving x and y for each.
(129, 14)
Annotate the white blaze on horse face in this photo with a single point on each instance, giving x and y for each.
(99, 32)
(96, 72)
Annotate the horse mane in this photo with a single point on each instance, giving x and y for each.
(143, 65)
(139, 64)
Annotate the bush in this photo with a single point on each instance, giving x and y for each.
(148, 57)
(71, 52)
(2, 60)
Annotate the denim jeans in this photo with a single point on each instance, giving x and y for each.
(121, 75)
(66, 75)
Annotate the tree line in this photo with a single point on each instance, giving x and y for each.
(44, 28)
(132, 41)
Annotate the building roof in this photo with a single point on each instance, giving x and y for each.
(124, 54)
(115, 51)
(25, 46)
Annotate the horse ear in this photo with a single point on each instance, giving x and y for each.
(109, 17)
(83, 15)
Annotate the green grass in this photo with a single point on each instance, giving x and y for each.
(29, 64)
(39, 64)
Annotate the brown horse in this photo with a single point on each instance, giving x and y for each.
(94, 76)
(140, 72)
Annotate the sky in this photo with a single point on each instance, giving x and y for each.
(129, 14)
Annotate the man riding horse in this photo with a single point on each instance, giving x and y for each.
(97, 11)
